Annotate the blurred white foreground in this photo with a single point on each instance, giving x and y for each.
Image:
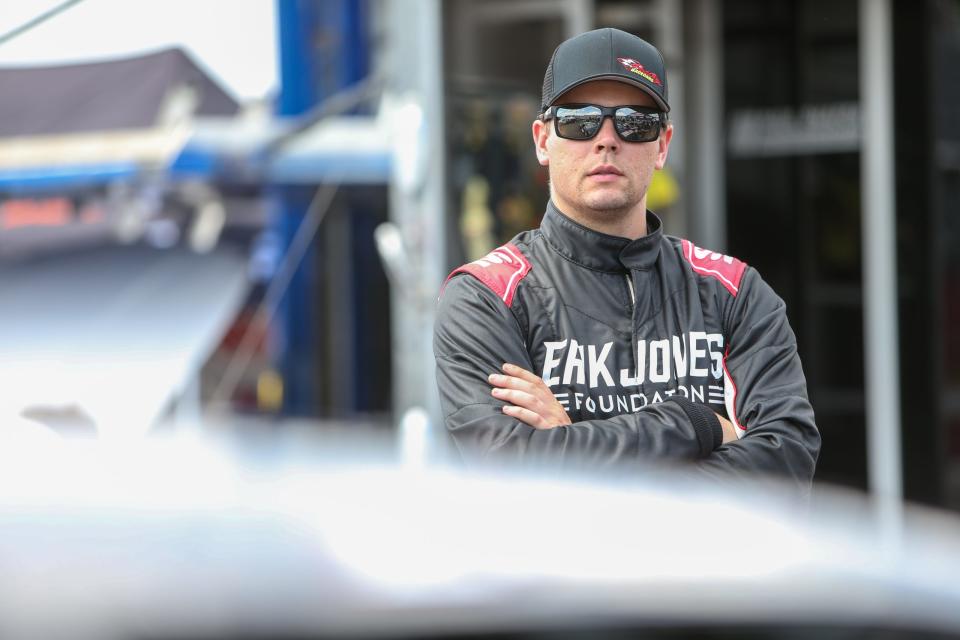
(180, 538)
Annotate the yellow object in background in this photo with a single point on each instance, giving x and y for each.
(476, 221)
(663, 190)
(269, 391)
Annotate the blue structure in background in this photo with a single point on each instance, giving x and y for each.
(323, 50)
(61, 178)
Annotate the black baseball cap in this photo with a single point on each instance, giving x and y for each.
(605, 54)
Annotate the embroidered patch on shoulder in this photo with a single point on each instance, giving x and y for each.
(501, 270)
(727, 270)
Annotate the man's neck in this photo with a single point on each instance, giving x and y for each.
(630, 224)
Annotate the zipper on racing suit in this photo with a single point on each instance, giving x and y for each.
(633, 320)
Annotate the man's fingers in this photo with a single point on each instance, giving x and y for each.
(511, 382)
(526, 416)
(530, 399)
(729, 431)
(519, 398)
(520, 372)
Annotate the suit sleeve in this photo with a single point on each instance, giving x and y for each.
(766, 392)
(475, 333)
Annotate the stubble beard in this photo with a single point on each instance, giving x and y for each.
(595, 210)
(609, 203)
(613, 211)
(606, 206)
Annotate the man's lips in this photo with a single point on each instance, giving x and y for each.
(605, 173)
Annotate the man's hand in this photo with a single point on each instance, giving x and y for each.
(729, 431)
(531, 401)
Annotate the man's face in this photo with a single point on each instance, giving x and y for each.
(605, 179)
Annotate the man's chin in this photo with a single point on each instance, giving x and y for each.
(609, 203)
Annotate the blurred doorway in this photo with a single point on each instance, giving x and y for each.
(793, 195)
(793, 191)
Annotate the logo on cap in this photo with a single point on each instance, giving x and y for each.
(632, 65)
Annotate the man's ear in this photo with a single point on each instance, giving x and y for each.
(540, 134)
(663, 143)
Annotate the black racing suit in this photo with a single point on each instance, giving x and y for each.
(641, 341)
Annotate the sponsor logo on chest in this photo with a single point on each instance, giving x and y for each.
(590, 380)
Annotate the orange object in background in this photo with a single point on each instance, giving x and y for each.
(49, 212)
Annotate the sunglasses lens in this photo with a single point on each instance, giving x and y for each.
(637, 126)
(582, 122)
(578, 123)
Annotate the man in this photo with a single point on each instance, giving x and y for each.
(596, 336)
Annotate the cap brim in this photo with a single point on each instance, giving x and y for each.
(618, 78)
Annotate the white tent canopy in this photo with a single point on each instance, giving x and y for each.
(114, 335)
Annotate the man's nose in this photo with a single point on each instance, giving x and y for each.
(606, 138)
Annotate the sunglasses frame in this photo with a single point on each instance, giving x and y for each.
(605, 112)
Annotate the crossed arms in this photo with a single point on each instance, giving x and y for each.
(497, 412)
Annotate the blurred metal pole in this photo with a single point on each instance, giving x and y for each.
(706, 160)
(881, 361)
(578, 17)
(670, 41)
(418, 203)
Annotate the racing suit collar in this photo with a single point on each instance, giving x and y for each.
(599, 251)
